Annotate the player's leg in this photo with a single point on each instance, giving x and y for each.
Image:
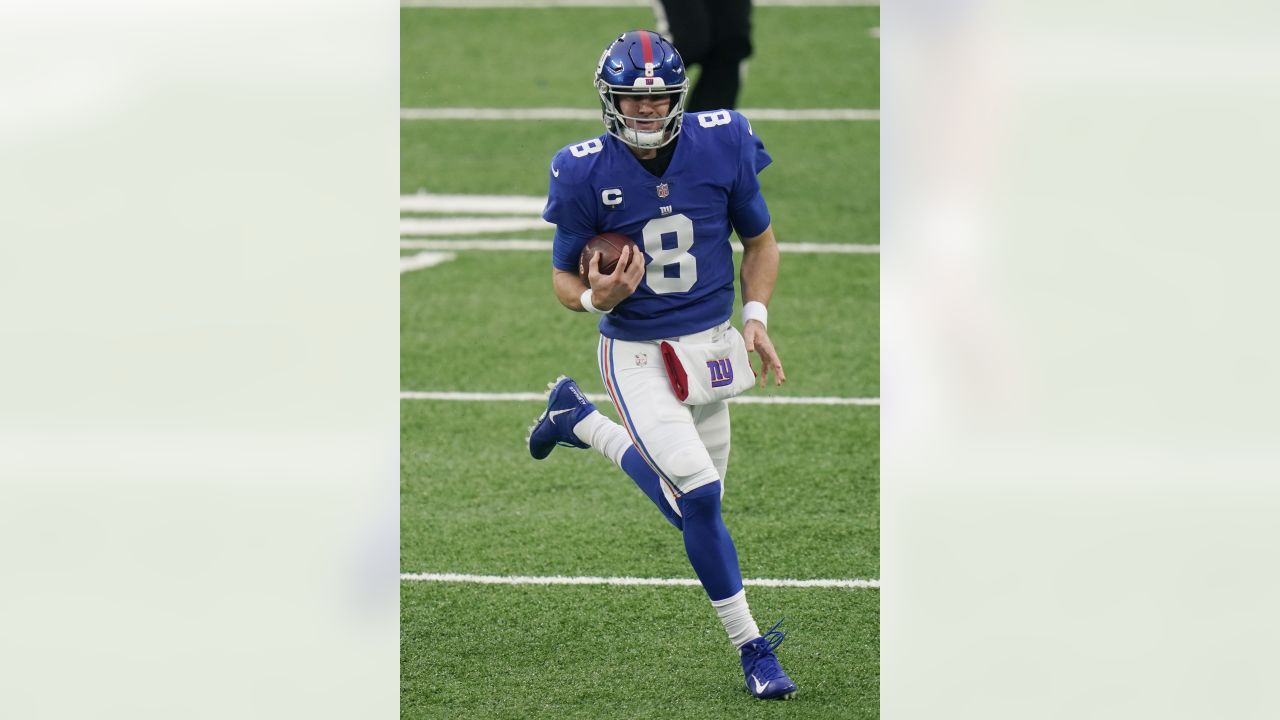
(666, 436)
(712, 421)
(640, 369)
(613, 441)
(692, 488)
(571, 420)
(730, 45)
(688, 24)
(764, 676)
(712, 424)
(717, 86)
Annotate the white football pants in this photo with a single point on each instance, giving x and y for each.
(687, 447)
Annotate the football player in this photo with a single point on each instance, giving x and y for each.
(679, 186)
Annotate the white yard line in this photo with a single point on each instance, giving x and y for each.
(555, 113)
(424, 260)
(601, 398)
(470, 225)
(545, 246)
(474, 113)
(489, 4)
(591, 580)
(495, 204)
(527, 210)
(495, 244)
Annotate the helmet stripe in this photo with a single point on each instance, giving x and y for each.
(647, 49)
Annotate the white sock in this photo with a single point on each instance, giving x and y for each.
(606, 436)
(737, 620)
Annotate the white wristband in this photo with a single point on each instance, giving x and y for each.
(755, 310)
(586, 304)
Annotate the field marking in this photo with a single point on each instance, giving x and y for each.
(424, 260)
(517, 244)
(492, 244)
(528, 209)
(470, 225)
(555, 113)
(483, 204)
(590, 580)
(601, 398)
(537, 4)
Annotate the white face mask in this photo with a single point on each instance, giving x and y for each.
(616, 123)
(642, 139)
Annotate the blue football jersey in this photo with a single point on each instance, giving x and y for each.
(681, 220)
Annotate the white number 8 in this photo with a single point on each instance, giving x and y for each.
(584, 149)
(712, 119)
(663, 258)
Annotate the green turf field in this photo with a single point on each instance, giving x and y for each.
(821, 187)
(802, 498)
(804, 58)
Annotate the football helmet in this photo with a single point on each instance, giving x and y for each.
(641, 63)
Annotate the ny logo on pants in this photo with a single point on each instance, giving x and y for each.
(721, 372)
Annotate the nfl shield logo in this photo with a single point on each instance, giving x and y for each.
(663, 191)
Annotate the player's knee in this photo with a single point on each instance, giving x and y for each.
(691, 467)
(702, 502)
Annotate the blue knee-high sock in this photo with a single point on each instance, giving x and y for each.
(707, 542)
(647, 480)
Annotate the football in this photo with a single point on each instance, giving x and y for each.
(609, 245)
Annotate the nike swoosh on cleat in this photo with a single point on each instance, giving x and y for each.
(552, 415)
(760, 687)
(555, 172)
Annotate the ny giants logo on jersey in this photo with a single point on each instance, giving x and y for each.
(721, 372)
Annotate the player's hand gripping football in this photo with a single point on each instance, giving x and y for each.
(609, 290)
(758, 341)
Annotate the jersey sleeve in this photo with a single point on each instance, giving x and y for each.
(572, 216)
(747, 209)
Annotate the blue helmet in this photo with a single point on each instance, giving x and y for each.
(641, 62)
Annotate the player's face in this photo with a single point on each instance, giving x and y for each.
(645, 106)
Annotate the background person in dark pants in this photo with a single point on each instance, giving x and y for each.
(715, 35)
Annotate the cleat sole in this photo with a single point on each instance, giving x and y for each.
(551, 386)
(528, 434)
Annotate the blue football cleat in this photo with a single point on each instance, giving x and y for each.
(765, 677)
(566, 407)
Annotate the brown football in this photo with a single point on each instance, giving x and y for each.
(610, 246)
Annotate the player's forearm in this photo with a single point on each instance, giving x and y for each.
(759, 271)
(569, 288)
